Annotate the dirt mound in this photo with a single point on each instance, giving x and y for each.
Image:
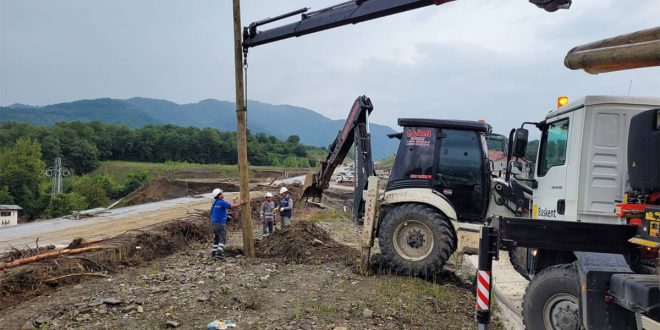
(131, 248)
(163, 188)
(304, 242)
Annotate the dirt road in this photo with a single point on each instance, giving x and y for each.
(106, 224)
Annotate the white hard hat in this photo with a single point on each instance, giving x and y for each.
(269, 194)
(283, 190)
(216, 192)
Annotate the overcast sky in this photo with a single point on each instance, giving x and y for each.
(501, 61)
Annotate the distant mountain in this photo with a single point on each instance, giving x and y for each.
(278, 120)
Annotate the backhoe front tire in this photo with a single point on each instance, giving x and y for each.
(552, 300)
(416, 239)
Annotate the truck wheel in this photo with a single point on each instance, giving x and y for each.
(415, 239)
(552, 300)
(516, 259)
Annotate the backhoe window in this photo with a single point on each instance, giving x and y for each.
(460, 159)
(414, 159)
(553, 146)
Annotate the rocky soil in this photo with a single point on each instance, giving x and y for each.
(304, 278)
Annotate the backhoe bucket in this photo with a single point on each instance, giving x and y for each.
(311, 188)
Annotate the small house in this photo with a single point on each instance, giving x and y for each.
(9, 215)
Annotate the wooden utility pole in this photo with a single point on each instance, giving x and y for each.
(241, 134)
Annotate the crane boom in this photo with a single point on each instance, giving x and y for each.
(350, 12)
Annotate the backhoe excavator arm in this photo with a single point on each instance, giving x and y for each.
(355, 132)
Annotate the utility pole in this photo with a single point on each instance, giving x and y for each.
(241, 134)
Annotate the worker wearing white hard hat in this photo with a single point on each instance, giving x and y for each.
(267, 215)
(286, 207)
(219, 221)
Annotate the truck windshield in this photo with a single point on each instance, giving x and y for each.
(553, 146)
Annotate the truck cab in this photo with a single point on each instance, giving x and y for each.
(581, 169)
(581, 172)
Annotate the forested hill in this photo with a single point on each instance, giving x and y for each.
(280, 121)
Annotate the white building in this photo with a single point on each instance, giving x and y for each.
(9, 215)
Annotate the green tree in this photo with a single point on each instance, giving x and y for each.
(290, 161)
(63, 204)
(294, 139)
(80, 155)
(92, 189)
(22, 172)
(135, 180)
(5, 196)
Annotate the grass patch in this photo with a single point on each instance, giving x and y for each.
(328, 215)
(118, 170)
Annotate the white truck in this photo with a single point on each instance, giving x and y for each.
(581, 171)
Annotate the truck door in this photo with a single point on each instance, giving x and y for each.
(549, 200)
(460, 172)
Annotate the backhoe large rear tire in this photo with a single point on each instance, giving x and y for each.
(552, 300)
(416, 239)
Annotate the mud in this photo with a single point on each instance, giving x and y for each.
(305, 243)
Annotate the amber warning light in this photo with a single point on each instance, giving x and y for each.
(562, 101)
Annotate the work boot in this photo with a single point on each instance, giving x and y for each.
(220, 255)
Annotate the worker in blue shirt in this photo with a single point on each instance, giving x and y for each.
(219, 222)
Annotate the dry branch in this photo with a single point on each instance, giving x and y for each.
(47, 255)
(76, 274)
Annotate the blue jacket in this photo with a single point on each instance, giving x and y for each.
(287, 204)
(219, 211)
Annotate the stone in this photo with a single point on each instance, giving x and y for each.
(264, 278)
(95, 303)
(140, 309)
(340, 328)
(203, 298)
(42, 320)
(85, 310)
(112, 301)
(138, 300)
(367, 312)
(28, 325)
(129, 308)
(172, 324)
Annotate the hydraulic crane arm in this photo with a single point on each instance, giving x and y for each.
(350, 12)
(355, 132)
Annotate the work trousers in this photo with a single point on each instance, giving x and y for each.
(219, 236)
(268, 226)
(286, 221)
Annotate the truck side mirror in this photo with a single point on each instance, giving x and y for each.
(520, 142)
(515, 167)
